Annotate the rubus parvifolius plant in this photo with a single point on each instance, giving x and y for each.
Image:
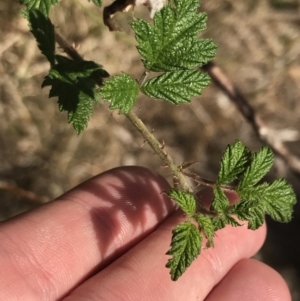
(170, 47)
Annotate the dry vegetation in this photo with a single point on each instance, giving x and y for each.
(42, 157)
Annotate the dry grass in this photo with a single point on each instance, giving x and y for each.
(259, 48)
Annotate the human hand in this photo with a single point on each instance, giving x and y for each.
(106, 240)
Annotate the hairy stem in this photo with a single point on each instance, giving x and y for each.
(159, 150)
(206, 182)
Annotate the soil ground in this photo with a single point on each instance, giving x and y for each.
(41, 157)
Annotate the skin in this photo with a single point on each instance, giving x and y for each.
(106, 240)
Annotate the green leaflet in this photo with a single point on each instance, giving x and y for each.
(279, 200)
(185, 247)
(121, 91)
(185, 200)
(234, 161)
(171, 43)
(43, 31)
(276, 199)
(73, 82)
(252, 211)
(207, 227)
(220, 201)
(42, 5)
(177, 86)
(260, 165)
(96, 2)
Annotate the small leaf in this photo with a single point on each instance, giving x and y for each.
(252, 211)
(205, 225)
(43, 31)
(185, 200)
(172, 43)
(221, 205)
(42, 5)
(220, 201)
(279, 200)
(121, 91)
(96, 2)
(185, 247)
(177, 86)
(234, 161)
(73, 82)
(261, 163)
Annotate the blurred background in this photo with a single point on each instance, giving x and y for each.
(41, 156)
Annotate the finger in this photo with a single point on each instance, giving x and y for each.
(251, 280)
(140, 274)
(46, 252)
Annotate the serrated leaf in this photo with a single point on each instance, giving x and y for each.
(43, 31)
(223, 220)
(121, 91)
(185, 247)
(177, 86)
(261, 163)
(221, 205)
(253, 193)
(69, 70)
(276, 199)
(185, 200)
(42, 5)
(252, 211)
(96, 2)
(206, 225)
(234, 161)
(76, 99)
(279, 199)
(220, 201)
(171, 43)
(73, 82)
(184, 8)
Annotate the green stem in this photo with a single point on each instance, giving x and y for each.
(159, 150)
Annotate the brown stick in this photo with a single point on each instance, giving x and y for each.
(267, 135)
(67, 47)
(23, 193)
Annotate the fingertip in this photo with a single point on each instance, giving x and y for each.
(249, 280)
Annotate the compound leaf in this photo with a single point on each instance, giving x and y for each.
(177, 86)
(171, 43)
(185, 247)
(42, 5)
(185, 200)
(73, 82)
(121, 91)
(43, 31)
(276, 199)
(234, 161)
(261, 163)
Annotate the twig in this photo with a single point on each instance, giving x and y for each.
(206, 182)
(67, 47)
(4, 185)
(267, 135)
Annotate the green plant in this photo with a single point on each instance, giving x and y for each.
(171, 47)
